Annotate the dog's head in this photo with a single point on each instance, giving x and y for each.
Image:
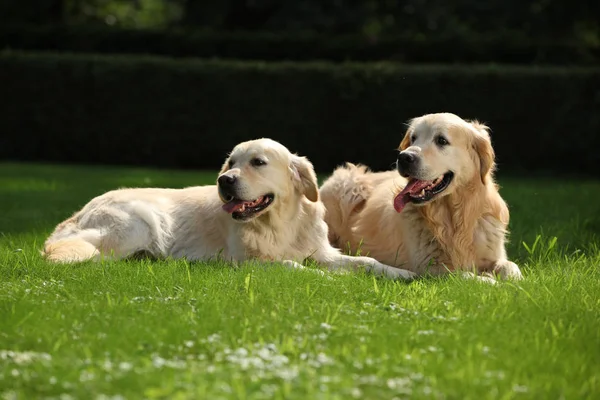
(261, 175)
(440, 153)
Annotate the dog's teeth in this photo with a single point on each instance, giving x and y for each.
(422, 192)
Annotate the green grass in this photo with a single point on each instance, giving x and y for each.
(173, 329)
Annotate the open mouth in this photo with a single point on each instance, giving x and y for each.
(418, 191)
(245, 209)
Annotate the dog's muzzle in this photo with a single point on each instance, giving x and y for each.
(227, 187)
(408, 164)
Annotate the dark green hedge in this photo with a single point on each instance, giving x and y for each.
(297, 47)
(162, 112)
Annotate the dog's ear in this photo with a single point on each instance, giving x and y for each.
(225, 167)
(405, 143)
(483, 147)
(304, 177)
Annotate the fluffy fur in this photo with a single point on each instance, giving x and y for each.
(193, 223)
(463, 228)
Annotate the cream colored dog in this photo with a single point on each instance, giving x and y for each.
(440, 211)
(265, 206)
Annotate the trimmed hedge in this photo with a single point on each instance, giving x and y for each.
(170, 113)
(270, 46)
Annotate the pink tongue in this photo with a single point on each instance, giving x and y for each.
(413, 187)
(233, 206)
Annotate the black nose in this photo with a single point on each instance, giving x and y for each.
(226, 180)
(406, 162)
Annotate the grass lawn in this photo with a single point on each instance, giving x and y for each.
(172, 329)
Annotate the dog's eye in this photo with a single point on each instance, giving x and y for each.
(441, 141)
(413, 138)
(257, 162)
(230, 164)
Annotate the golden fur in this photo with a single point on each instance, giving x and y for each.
(463, 228)
(191, 223)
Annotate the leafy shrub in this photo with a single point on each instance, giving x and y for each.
(270, 46)
(189, 113)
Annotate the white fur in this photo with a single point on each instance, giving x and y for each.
(190, 223)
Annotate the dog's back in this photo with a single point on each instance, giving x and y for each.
(344, 194)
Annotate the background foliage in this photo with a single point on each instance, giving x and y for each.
(547, 19)
(298, 46)
(487, 60)
(190, 113)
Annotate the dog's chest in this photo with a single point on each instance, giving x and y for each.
(421, 242)
(263, 244)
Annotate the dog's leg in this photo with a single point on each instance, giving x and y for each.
(507, 270)
(341, 261)
(108, 237)
(378, 268)
(493, 248)
(295, 265)
(79, 248)
(292, 264)
(87, 244)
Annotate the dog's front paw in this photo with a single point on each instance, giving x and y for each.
(508, 270)
(398, 273)
(292, 264)
(295, 265)
(484, 278)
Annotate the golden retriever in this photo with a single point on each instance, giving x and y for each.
(265, 206)
(440, 211)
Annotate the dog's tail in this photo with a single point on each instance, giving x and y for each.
(69, 250)
(67, 244)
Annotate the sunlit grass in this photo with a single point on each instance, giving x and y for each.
(174, 329)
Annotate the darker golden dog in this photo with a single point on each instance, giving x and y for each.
(440, 211)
